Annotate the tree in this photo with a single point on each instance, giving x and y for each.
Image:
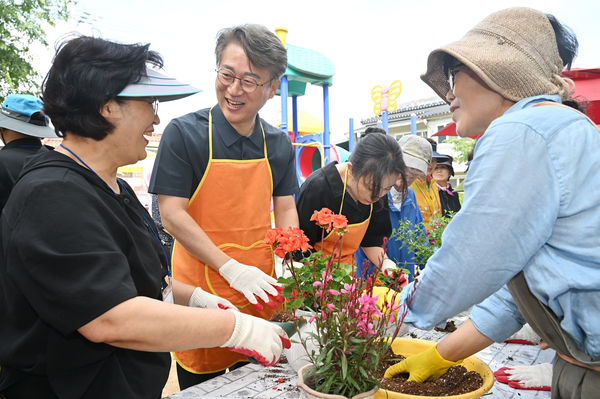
(463, 146)
(23, 23)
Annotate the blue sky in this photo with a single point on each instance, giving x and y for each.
(369, 42)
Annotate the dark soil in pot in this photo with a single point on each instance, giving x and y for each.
(456, 381)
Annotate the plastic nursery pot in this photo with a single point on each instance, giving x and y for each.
(410, 346)
(290, 329)
(312, 394)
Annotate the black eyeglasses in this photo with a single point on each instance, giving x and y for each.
(226, 77)
(452, 71)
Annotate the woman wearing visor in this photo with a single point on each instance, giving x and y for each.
(525, 245)
(84, 310)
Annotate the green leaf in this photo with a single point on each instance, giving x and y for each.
(344, 366)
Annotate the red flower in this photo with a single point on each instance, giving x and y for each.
(323, 218)
(271, 236)
(284, 241)
(340, 223)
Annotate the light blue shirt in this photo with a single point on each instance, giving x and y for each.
(532, 203)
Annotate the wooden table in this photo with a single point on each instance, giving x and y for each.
(279, 381)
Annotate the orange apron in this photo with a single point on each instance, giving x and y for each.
(352, 238)
(232, 205)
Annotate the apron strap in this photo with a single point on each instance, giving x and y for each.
(545, 323)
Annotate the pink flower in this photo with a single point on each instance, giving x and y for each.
(317, 284)
(330, 306)
(333, 292)
(312, 318)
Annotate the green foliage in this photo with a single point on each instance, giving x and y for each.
(298, 289)
(463, 146)
(422, 244)
(22, 23)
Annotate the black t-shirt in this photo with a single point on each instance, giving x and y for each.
(449, 203)
(184, 152)
(73, 249)
(323, 189)
(12, 158)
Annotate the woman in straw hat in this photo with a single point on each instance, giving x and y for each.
(85, 309)
(525, 246)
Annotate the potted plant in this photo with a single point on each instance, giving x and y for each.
(351, 332)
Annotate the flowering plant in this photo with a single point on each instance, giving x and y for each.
(352, 327)
(419, 241)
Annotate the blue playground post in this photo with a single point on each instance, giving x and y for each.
(295, 115)
(283, 87)
(384, 121)
(326, 141)
(351, 135)
(413, 124)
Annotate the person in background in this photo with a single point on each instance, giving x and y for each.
(88, 309)
(22, 126)
(358, 190)
(416, 153)
(441, 174)
(215, 174)
(530, 257)
(426, 192)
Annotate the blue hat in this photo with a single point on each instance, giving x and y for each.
(22, 113)
(155, 84)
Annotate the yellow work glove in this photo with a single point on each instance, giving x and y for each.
(384, 293)
(422, 366)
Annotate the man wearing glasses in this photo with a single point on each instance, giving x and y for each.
(215, 174)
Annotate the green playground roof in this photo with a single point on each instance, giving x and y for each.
(307, 66)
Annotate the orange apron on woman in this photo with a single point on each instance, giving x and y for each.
(232, 205)
(352, 238)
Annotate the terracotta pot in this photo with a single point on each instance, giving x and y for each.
(310, 393)
(410, 346)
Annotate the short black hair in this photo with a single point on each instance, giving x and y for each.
(86, 73)
(566, 41)
(377, 156)
(262, 47)
(372, 129)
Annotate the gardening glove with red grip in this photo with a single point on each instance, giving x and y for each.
(388, 264)
(251, 281)
(536, 377)
(421, 367)
(257, 338)
(525, 336)
(203, 299)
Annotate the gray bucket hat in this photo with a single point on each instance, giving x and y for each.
(513, 51)
(416, 152)
(156, 84)
(22, 113)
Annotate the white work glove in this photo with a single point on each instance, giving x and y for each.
(251, 281)
(388, 264)
(257, 338)
(525, 336)
(203, 299)
(535, 377)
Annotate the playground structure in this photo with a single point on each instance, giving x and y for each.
(313, 149)
(384, 98)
